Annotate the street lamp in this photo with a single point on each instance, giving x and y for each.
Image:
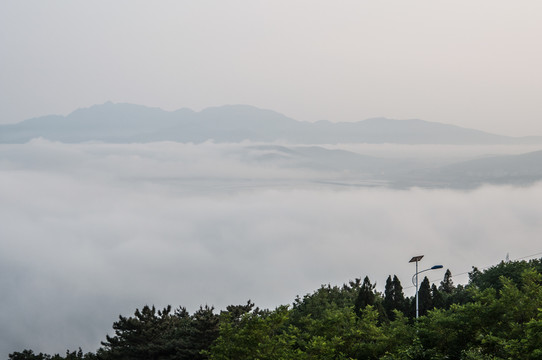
(416, 259)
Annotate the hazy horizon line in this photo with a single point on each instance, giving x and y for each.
(201, 109)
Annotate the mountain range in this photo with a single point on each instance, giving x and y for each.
(363, 170)
(522, 169)
(301, 143)
(128, 123)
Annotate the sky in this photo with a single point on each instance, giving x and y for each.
(469, 63)
(92, 231)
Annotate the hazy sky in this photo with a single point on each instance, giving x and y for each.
(469, 63)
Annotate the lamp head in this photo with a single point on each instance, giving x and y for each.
(436, 267)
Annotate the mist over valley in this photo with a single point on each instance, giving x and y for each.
(92, 230)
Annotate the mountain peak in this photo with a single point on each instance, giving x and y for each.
(123, 122)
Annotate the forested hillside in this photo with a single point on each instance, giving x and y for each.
(497, 315)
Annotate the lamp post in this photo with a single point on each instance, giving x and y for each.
(416, 259)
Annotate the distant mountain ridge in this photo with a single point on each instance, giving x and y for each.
(360, 170)
(522, 169)
(125, 123)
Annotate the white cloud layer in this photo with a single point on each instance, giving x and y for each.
(91, 231)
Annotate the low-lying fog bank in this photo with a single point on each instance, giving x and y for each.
(91, 231)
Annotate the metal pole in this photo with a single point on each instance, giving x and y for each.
(416, 259)
(416, 289)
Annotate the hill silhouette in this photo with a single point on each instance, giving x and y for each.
(126, 123)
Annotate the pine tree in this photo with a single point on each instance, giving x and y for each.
(439, 301)
(153, 335)
(425, 300)
(447, 285)
(389, 298)
(399, 300)
(394, 299)
(366, 296)
(237, 311)
(205, 331)
(141, 336)
(28, 355)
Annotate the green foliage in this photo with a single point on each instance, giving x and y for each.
(326, 296)
(511, 270)
(366, 296)
(152, 334)
(447, 285)
(490, 318)
(497, 324)
(394, 299)
(70, 355)
(28, 355)
(437, 298)
(254, 335)
(147, 335)
(425, 299)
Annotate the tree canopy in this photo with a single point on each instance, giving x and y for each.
(497, 315)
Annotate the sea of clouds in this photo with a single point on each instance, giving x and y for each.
(91, 231)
